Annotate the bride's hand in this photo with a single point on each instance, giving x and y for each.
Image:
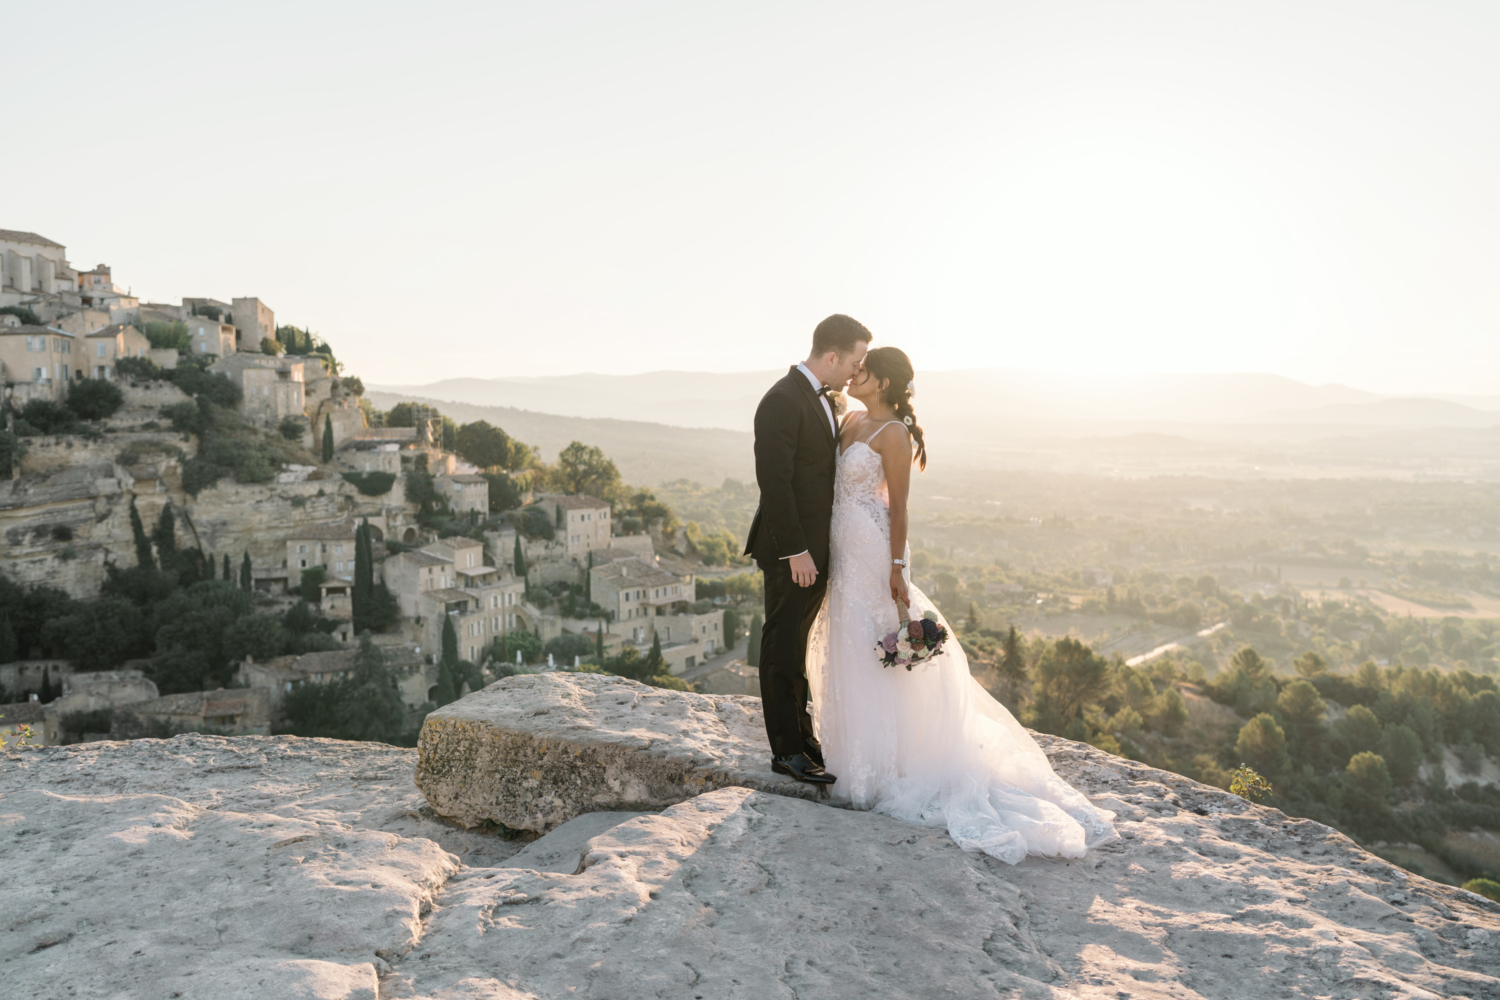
(899, 593)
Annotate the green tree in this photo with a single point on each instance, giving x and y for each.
(247, 574)
(165, 537)
(143, 557)
(226, 573)
(518, 558)
(192, 625)
(260, 636)
(752, 644)
(483, 444)
(311, 585)
(598, 641)
(1013, 665)
(1303, 710)
(327, 438)
(972, 622)
(655, 662)
(8, 645)
(504, 495)
(1367, 773)
(731, 627)
(1248, 661)
(102, 634)
(525, 643)
(1309, 664)
(584, 468)
(12, 450)
(1401, 749)
(1069, 676)
(364, 577)
(95, 398)
(365, 705)
(1357, 731)
(1169, 711)
(1262, 745)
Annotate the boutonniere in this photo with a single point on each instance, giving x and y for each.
(839, 402)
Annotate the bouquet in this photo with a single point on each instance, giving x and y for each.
(916, 641)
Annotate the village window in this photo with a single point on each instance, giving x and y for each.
(101, 350)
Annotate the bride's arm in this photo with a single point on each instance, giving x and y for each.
(894, 445)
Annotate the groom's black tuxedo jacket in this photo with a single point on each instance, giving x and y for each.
(795, 456)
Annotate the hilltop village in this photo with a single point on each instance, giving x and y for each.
(208, 528)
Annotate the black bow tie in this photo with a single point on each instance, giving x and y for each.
(828, 392)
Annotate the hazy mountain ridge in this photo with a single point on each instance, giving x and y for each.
(946, 399)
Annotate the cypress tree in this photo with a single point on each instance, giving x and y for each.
(364, 577)
(228, 572)
(1013, 663)
(210, 566)
(247, 575)
(446, 689)
(752, 649)
(655, 662)
(518, 561)
(327, 438)
(588, 580)
(143, 557)
(46, 693)
(7, 640)
(165, 537)
(599, 642)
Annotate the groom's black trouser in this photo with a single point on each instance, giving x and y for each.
(790, 613)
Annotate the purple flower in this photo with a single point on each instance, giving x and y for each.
(889, 642)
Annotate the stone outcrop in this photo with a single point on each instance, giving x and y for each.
(279, 867)
(533, 751)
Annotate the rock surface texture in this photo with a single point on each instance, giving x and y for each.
(533, 751)
(204, 867)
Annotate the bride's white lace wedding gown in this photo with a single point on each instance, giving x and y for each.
(927, 745)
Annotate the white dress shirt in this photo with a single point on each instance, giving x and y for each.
(833, 426)
(817, 385)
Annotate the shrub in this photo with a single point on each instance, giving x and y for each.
(1488, 888)
(199, 474)
(213, 387)
(142, 369)
(168, 335)
(371, 484)
(21, 313)
(47, 417)
(292, 428)
(12, 450)
(95, 398)
(186, 417)
(568, 645)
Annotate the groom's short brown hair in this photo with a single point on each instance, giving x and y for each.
(839, 333)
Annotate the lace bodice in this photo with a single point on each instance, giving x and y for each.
(860, 482)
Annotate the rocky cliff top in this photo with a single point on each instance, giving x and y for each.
(282, 867)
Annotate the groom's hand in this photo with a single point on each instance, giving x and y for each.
(804, 570)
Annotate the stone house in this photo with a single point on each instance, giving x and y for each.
(449, 578)
(211, 336)
(636, 588)
(101, 689)
(105, 347)
(236, 712)
(254, 320)
(31, 264)
(39, 361)
(273, 387)
(465, 492)
(281, 675)
(328, 545)
(582, 522)
(82, 322)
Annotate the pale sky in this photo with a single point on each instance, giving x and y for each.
(446, 189)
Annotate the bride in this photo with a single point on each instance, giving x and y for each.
(928, 745)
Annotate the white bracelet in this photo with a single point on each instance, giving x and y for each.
(898, 562)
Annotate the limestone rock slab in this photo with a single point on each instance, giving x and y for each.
(533, 751)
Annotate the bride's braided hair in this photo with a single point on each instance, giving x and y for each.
(892, 364)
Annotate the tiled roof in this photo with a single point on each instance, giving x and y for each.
(113, 330)
(465, 477)
(324, 532)
(634, 573)
(420, 558)
(21, 713)
(33, 330)
(448, 595)
(17, 236)
(580, 502)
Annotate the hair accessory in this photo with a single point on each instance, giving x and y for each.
(908, 421)
(911, 388)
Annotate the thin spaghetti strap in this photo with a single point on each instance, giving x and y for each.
(870, 437)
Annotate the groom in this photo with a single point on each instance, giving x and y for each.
(796, 450)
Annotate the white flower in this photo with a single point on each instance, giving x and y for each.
(903, 647)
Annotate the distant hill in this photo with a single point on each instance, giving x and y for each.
(953, 401)
(647, 454)
(1393, 413)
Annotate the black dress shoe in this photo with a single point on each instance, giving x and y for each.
(814, 751)
(799, 767)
